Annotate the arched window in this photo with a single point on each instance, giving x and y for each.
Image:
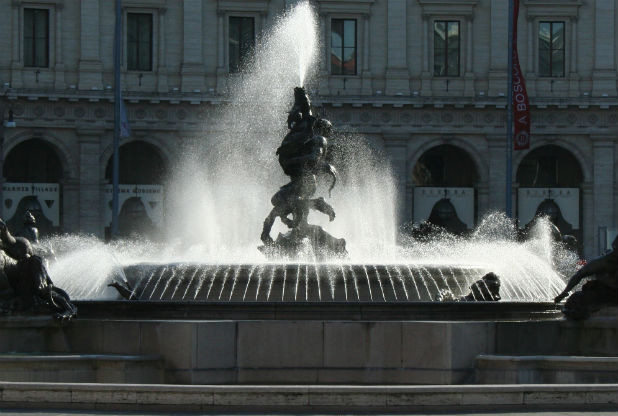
(33, 172)
(549, 167)
(445, 166)
(140, 163)
(444, 193)
(141, 175)
(33, 160)
(549, 179)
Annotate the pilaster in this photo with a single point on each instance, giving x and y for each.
(469, 74)
(397, 75)
(603, 183)
(89, 182)
(70, 203)
(366, 88)
(497, 172)
(604, 74)
(396, 148)
(16, 62)
(498, 54)
(192, 70)
(573, 74)
(90, 66)
(59, 82)
(162, 86)
(589, 245)
(425, 74)
(324, 87)
(221, 71)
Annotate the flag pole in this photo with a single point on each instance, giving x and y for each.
(117, 98)
(509, 117)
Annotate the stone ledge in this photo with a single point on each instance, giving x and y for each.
(300, 398)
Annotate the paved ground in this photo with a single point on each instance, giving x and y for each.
(109, 413)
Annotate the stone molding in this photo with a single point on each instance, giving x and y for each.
(345, 6)
(57, 3)
(255, 6)
(552, 8)
(160, 5)
(464, 8)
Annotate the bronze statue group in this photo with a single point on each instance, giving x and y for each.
(25, 285)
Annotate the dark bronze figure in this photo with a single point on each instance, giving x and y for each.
(29, 284)
(485, 289)
(302, 156)
(597, 293)
(29, 230)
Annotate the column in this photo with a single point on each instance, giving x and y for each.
(397, 76)
(90, 66)
(397, 150)
(192, 70)
(366, 75)
(603, 184)
(469, 74)
(497, 172)
(498, 53)
(604, 73)
(59, 83)
(90, 203)
(573, 74)
(162, 59)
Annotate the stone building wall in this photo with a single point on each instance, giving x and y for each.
(394, 98)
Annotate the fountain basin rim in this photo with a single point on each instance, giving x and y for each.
(289, 265)
(323, 311)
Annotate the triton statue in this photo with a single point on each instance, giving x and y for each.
(24, 279)
(302, 156)
(485, 289)
(597, 293)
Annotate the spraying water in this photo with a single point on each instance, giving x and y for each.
(219, 194)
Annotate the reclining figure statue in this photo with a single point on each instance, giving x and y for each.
(29, 284)
(597, 293)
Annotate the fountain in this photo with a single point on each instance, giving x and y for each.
(219, 197)
(332, 300)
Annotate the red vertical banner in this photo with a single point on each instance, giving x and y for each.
(521, 105)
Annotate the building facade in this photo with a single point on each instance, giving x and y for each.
(425, 80)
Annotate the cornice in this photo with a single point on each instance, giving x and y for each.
(552, 8)
(447, 8)
(259, 6)
(345, 6)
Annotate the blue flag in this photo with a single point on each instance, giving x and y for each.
(125, 129)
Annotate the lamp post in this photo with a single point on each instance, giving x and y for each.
(9, 123)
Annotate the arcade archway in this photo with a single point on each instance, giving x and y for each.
(141, 174)
(445, 177)
(33, 173)
(549, 180)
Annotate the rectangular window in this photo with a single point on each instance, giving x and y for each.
(343, 47)
(139, 41)
(446, 48)
(551, 49)
(241, 41)
(36, 37)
